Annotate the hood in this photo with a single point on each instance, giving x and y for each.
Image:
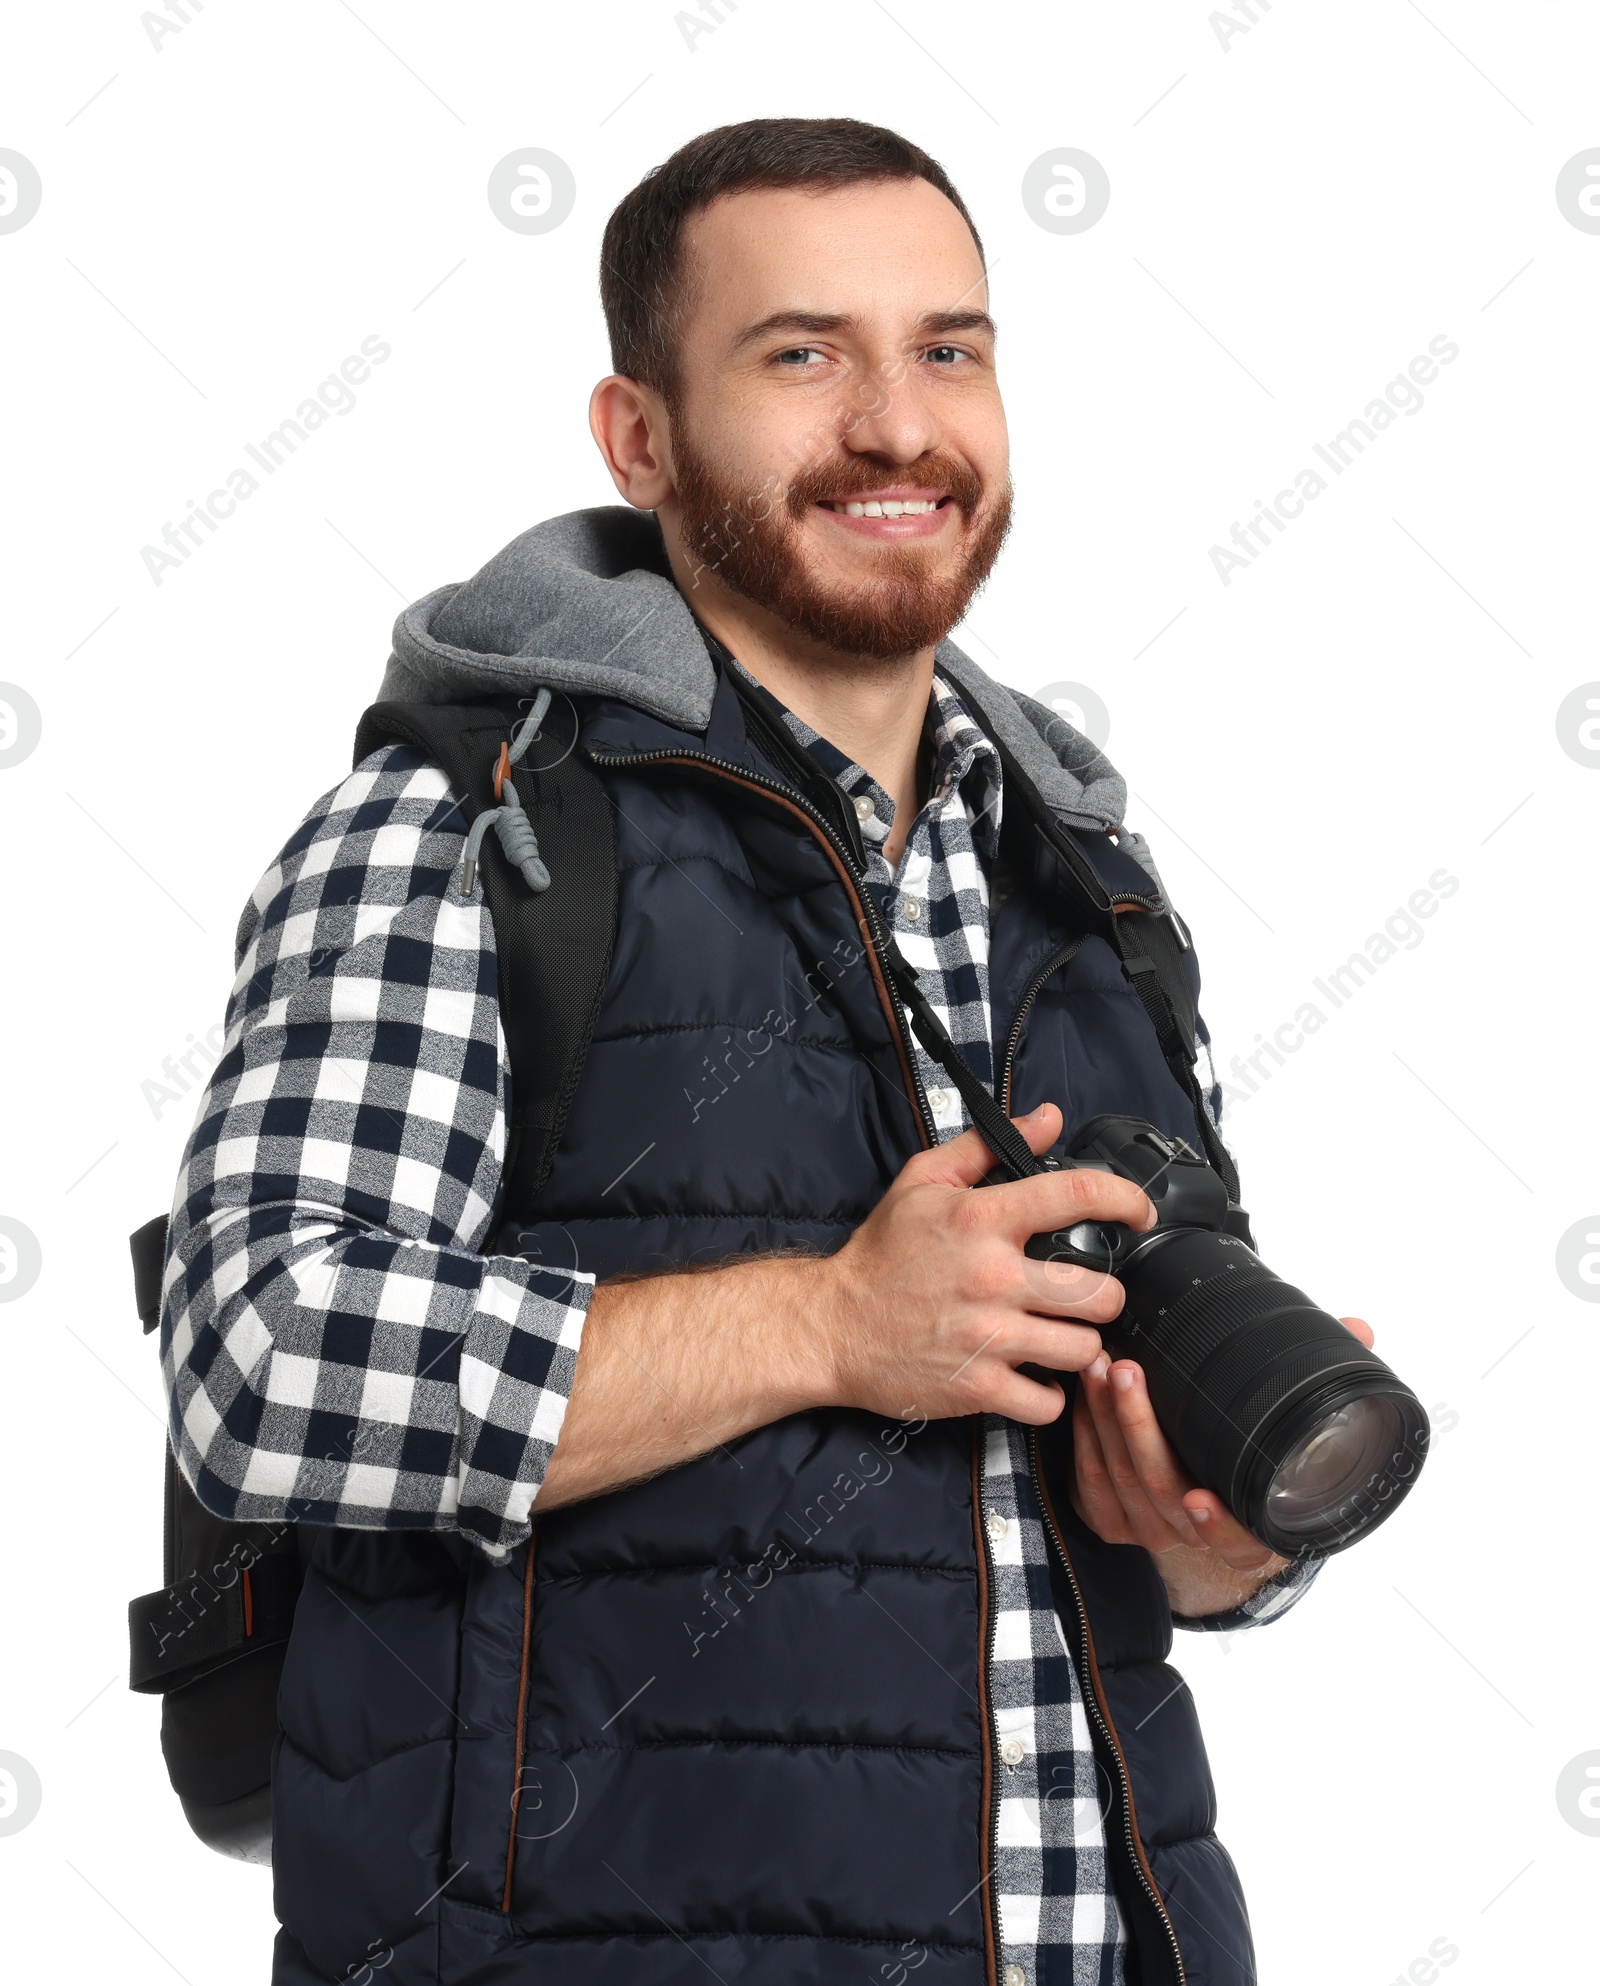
(586, 603)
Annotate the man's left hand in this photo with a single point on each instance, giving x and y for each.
(1131, 1489)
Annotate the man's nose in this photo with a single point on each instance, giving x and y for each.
(890, 417)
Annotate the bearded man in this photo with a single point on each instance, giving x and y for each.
(727, 1552)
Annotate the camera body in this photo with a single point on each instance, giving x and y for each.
(1306, 1435)
(1183, 1188)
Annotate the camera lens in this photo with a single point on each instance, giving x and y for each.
(1305, 1434)
(1312, 1489)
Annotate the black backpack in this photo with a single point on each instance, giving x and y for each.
(211, 1641)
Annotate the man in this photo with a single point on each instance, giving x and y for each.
(699, 1583)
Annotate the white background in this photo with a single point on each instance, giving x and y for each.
(1296, 217)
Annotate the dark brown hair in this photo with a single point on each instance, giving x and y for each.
(642, 287)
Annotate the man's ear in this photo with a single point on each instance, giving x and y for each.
(629, 423)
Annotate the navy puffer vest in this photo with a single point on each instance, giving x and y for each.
(733, 1721)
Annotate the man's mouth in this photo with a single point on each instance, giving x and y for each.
(884, 506)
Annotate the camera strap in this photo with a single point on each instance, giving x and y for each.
(996, 1129)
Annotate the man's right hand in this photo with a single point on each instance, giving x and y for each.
(931, 1305)
(928, 1309)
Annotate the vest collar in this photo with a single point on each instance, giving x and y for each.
(585, 603)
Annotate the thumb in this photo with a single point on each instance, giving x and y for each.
(967, 1159)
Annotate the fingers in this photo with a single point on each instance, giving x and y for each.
(991, 1383)
(1063, 1289)
(965, 1160)
(1094, 1495)
(1358, 1327)
(1022, 1399)
(1152, 1478)
(1143, 1470)
(1222, 1532)
(1112, 1498)
(1025, 1207)
(1058, 1347)
(1050, 1200)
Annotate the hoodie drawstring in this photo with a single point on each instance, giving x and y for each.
(510, 818)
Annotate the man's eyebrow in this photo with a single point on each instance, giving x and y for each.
(821, 322)
(817, 321)
(959, 320)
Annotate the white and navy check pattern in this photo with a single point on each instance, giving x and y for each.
(1059, 1920)
(335, 1350)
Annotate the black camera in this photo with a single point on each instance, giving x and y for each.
(1306, 1435)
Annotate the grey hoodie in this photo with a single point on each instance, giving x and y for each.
(586, 603)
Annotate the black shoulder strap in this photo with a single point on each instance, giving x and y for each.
(1134, 917)
(1150, 947)
(148, 1246)
(554, 947)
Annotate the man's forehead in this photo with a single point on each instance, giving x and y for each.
(879, 249)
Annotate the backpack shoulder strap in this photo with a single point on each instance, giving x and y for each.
(1119, 900)
(1157, 961)
(553, 948)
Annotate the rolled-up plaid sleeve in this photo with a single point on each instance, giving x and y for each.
(335, 1348)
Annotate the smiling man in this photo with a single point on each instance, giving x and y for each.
(727, 1553)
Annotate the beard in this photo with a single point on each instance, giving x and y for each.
(753, 542)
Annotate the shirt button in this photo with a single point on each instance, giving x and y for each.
(1015, 1976)
(997, 1526)
(912, 910)
(938, 1102)
(1011, 1751)
(864, 807)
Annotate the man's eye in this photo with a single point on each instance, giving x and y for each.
(944, 354)
(799, 355)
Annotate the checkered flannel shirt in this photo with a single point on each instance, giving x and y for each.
(335, 1349)
(1059, 1920)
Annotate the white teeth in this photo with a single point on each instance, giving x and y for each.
(886, 507)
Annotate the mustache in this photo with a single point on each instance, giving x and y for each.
(832, 482)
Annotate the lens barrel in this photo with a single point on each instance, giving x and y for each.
(1306, 1435)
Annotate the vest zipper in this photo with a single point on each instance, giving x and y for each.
(1035, 985)
(1120, 903)
(991, 1804)
(1089, 1675)
(519, 1744)
(871, 921)
(1122, 900)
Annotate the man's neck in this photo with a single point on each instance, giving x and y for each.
(872, 709)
